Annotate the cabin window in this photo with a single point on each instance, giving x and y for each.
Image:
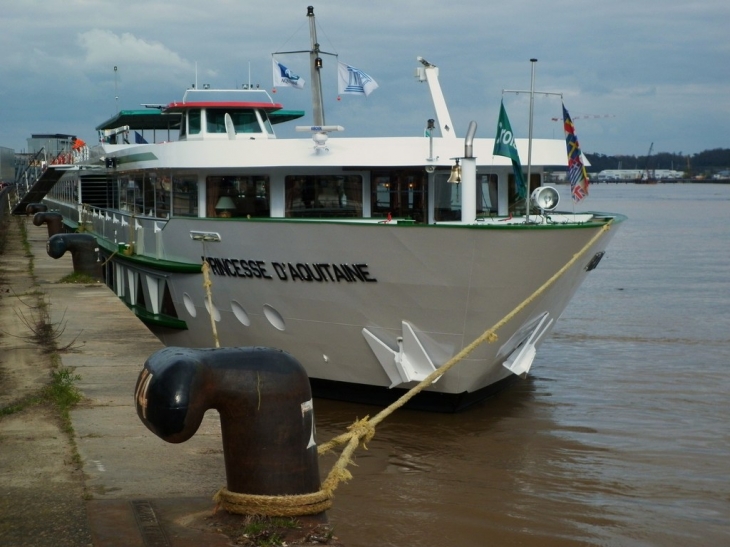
(401, 194)
(194, 121)
(244, 121)
(238, 196)
(131, 193)
(185, 195)
(487, 194)
(161, 186)
(447, 199)
(323, 196)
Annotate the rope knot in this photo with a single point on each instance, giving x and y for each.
(363, 430)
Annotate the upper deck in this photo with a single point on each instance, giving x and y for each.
(200, 115)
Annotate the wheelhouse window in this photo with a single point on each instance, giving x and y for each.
(238, 196)
(323, 196)
(194, 121)
(244, 121)
(184, 195)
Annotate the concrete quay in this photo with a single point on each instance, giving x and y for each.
(132, 488)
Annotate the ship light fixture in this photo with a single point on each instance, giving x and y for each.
(455, 177)
(545, 197)
(203, 236)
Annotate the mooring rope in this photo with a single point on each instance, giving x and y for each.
(362, 431)
(207, 284)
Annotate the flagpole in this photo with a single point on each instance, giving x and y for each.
(529, 142)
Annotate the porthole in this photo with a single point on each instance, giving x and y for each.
(189, 305)
(274, 317)
(240, 313)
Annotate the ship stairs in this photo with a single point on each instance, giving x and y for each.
(40, 188)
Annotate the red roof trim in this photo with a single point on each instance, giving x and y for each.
(177, 107)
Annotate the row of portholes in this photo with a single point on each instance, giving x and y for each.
(273, 316)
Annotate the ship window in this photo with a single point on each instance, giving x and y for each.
(194, 121)
(267, 122)
(184, 196)
(323, 196)
(130, 193)
(245, 196)
(162, 185)
(244, 121)
(401, 193)
(517, 204)
(486, 194)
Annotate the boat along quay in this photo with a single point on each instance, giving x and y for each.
(100, 478)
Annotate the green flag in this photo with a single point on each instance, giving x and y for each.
(504, 145)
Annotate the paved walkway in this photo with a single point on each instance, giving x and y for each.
(122, 461)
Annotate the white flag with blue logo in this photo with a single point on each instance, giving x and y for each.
(285, 77)
(352, 80)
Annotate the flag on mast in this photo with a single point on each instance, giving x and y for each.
(504, 145)
(354, 81)
(285, 77)
(576, 170)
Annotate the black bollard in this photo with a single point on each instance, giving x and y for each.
(265, 405)
(84, 252)
(33, 208)
(54, 222)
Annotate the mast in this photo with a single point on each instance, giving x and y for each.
(315, 62)
(529, 141)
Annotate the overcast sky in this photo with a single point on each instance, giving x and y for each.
(631, 73)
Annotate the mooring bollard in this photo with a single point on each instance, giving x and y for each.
(265, 405)
(33, 208)
(53, 220)
(84, 252)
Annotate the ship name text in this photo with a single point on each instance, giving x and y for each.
(319, 272)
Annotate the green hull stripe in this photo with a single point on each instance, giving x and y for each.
(152, 263)
(157, 319)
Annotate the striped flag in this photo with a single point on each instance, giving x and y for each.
(576, 170)
(354, 81)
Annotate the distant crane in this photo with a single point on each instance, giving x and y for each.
(648, 177)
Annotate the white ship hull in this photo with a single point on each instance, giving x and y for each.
(373, 261)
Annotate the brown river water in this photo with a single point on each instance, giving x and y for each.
(620, 436)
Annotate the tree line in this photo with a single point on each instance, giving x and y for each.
(708, 162)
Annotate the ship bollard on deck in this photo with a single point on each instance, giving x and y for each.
(33, 208)
(53, 220)
(84, 252)
(264, 400)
